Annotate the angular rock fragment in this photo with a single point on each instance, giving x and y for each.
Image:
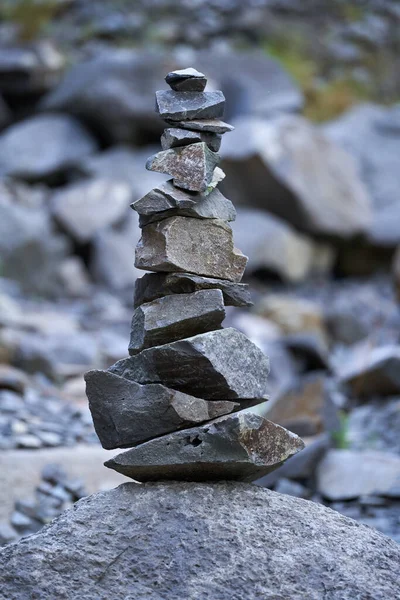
(175, 136)
(199, 246)
(184, 106)
(243, 446)
(166, 200)
(126, 413)
(210, 125)
(186, 80)
(155, 285)
(175, 317)
(221, 364)
(372, 372)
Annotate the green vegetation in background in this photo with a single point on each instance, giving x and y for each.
(340, 437)
(30, 16)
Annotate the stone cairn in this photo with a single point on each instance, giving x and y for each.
(180, 400)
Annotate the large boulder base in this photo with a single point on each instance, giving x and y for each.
(225, 541)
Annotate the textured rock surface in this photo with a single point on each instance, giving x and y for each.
(375, 371)
(243, 446)
(186, 80)
(186, 106)
(175, 317)
(174, 136)
(191, 167)
(168, 246)
(126, 413)
(208, 125)
(189, 540)
(155, 285)
(222, 364)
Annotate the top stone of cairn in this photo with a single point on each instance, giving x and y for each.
(186, 80)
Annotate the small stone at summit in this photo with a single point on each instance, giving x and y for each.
(217, 365)
(175, 136)
(155, 285)
(242, 446)
(166, 200)
(184, 106)
(169, 245)
(126, 413)
(209, 125)
(191, 167)
(186, 80)
(175, 317)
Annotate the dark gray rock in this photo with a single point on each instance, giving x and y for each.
(168, 246)
(191, 167)
(62, 140)
(166, 200)
(242, 446)
(187, 106)
(180, 540)
(174, 136)
(221, 365)
(126, 413)
(175, 317)
(372, 371)
(155, 285)
(186, 80)
(207, 125)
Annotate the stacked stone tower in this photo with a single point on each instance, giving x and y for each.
(180, 400)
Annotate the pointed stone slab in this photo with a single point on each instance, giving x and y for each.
(186, 80)
(175, 317)
(184, 106)
(166, 200)
(191, 167)
(126, 413)
(210, 125)
(218, 365)
(199, 246)
(155, 285)
(174, 137)
(242, 446)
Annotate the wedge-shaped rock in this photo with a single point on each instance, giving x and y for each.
(186, 80)
(192, 167)
(243, 446)
(166, 200)
(155, 285)
(199, 246)
(174, 317)
(222, 365)
(182, 106)
(210, 125)
(126, 413)
(175, 136)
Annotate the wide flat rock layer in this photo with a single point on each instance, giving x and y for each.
(175, 136)
(183, 106)
(201, 541)
(210, 125)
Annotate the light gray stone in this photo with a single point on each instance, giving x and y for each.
(186, 80)
(187, 106)
(191, 167)
(206, 125)
(372, 371)
(175, 317)
(126, 413)
(242, 446)
(175, 136)
(168, 246)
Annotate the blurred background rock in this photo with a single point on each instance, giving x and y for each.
(313, 166)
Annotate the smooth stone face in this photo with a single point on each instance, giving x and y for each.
(155, 285)
(210, 125)
(191, 167)
(186, 80)
(174, 317)
(222, 364)
(203, 247)
(184, 106)
(167, 200)
(175, 136)
(243, 446)
(126, 413)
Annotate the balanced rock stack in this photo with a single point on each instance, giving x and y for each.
(179, 400)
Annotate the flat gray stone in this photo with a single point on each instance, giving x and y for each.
(126, 413)
(372, 371)
(191, 167)
(186, 80)
(243, 446)
(155, 285)
(185, 106)
(221, 365)
(219, 541)
(210, 125)
(175, 317)
(175, 136)
(169, 245)
(166, 200)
